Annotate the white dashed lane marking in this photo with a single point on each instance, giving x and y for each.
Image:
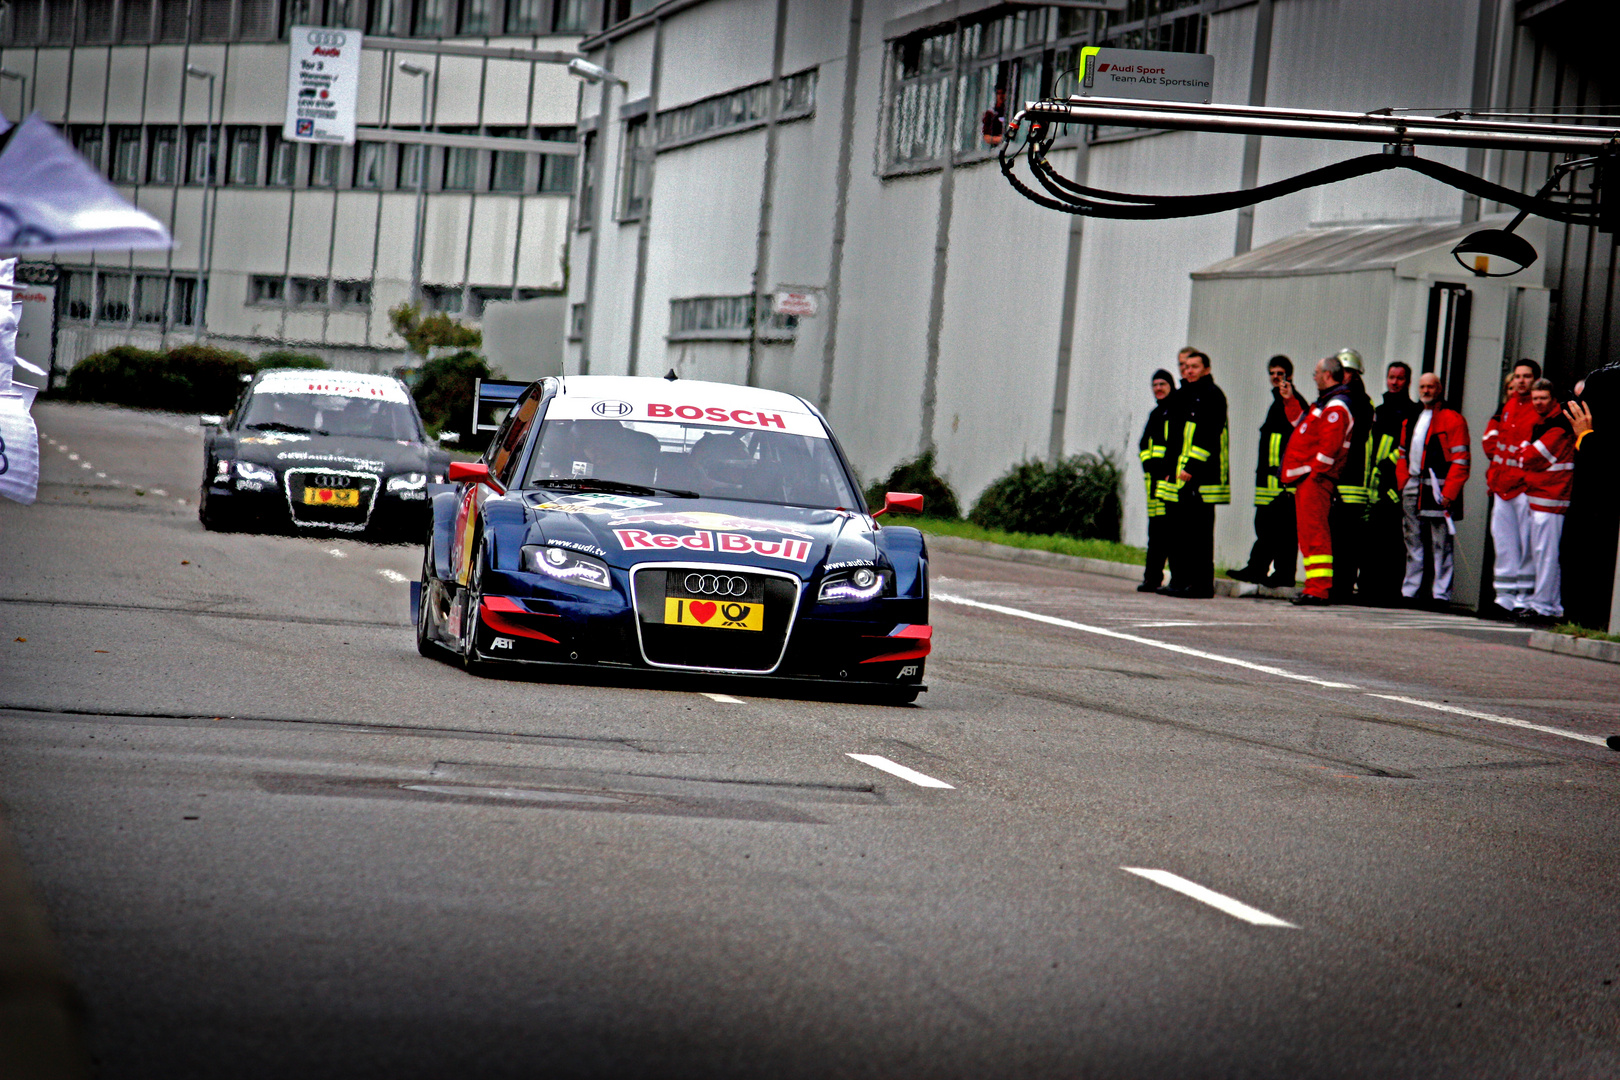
(73, 457)
(160, 491)
(337, 553)
(1596, 740)
(724, 699)
(1235, 908)
(1053, 620)
(894, 768)
(395, 576)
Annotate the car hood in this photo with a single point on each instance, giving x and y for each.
(625, 531)
(292, 451)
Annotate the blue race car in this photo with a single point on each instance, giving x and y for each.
(667, 524)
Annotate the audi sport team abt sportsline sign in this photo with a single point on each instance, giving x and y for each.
(323, 84)
(741, 412)
(1146, 75)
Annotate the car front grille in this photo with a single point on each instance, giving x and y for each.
(331, 498)
(709, 648)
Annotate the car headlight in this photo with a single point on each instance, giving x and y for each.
(569, 567)
(412, 481)
(247, 470)
(865, 583)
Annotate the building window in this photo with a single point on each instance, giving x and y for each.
(258, 22)
(635, 174)
(264, 289)
(525, 16)
(738, 109)
(460, 164)
(478, 17)
(570, 16)
(184, 298)
(173, 19)
(324, 159)
(244, 155)
(576, 322)
(283, 160)
(921, 105)
(556, 170)
(137, 22)
(723, 317)
(384, 17)
(112, 298)
(98, 21)
(126, 155)
(345, 13)
(162, 156)
(411, 160)
(151, 299)
(200, 163)
(351, 294)
(445, 298)
(432, 18)
(78, 295)
(509, 169)
(87, 140)
(587, 180)
(213, 20)
(369, 160)
(307, 292)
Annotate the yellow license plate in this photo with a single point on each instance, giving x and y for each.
(716, 614)
(331, 497)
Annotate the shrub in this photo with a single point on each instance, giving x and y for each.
(1076, 496)
(287, 358)
(438, 329)
(191, 378)
(444, 393)
(918, 477)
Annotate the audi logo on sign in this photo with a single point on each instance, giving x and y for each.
(612, 408)
(331, 38)
(716, 585)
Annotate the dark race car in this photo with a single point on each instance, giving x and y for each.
(320, 452)
(685, 526)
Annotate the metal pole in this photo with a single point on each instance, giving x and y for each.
(421, 190)
(204, 262)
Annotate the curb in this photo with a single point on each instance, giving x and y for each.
(957, 545)
(1587, 648)
(41, 1019)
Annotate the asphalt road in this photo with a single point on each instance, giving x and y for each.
(273, 841)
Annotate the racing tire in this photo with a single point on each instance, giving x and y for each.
(425, 642)
(212, 517)
(471, 621)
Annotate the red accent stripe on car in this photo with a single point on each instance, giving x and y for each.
(501, 625)
(918, 643)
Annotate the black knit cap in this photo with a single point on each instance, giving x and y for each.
(1162, 374)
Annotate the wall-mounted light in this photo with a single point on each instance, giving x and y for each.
(1502, 252)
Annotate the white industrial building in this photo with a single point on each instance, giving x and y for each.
(310, 245)
(833, 149)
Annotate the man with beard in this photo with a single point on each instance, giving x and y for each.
(1432, 471)
(1276, 542)
(1198, 446)
(1384, 564)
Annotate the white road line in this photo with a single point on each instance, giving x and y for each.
(159, 491)
(73, 457)
(1053, 620)
(877, 761)
(101, 476)
(1152, 625)
(1235, 908)
(724, 699)
(395, 576)
(1596, 740)
(85, 465)
(337, 553)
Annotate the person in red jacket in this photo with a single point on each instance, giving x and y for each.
(1549, 473)
(1431, 471)
(1315, 457)
(1504, 441)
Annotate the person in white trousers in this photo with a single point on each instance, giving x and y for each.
(1549, 473)
(1505, 440)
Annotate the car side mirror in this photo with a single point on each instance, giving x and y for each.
(900, 500)
(210, 420)
(470, 471)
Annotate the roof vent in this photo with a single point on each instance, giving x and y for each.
(671, 377)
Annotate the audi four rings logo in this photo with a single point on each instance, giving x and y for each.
(326, 480)
(335, 38)
(716, 585)
(612, 408)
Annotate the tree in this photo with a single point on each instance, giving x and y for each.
(438, 329)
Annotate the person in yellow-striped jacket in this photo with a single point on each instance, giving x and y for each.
(1155, 467)
(1353, 494)
(1276, 542)
(1199, 481)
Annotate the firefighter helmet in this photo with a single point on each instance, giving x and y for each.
(1351, 360)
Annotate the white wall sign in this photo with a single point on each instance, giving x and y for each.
(323, 84)
(1146, 74)
(802, 304)
(36, 319)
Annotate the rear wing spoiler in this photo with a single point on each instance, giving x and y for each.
(492, 400)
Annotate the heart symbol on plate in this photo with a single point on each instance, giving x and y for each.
(326, 496)
(702, 610)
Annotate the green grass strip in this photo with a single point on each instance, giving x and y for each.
(1063, 545)
(1576, 630)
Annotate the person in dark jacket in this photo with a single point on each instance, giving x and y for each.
(1592, 523)
(1156, 467)
(1384, 562)
(1348, 518)
(1276, 541)
(1199, 482)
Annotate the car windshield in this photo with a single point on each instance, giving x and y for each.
(332, 414)
(711, 462)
